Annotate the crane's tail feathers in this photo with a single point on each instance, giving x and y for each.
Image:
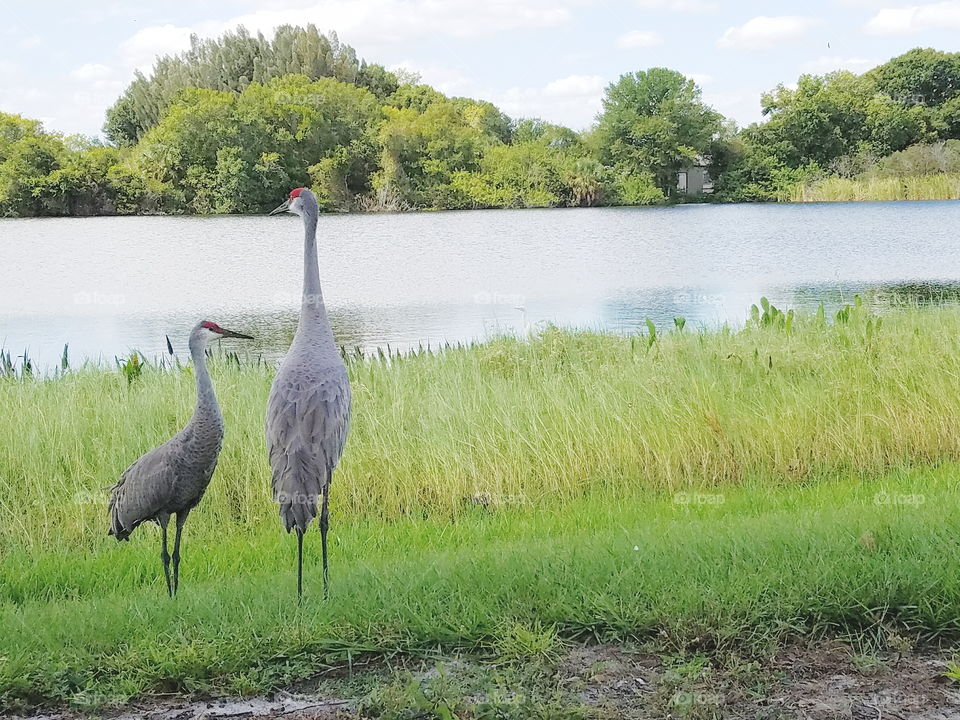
(297, 486)
(117, 528)
(119, 533)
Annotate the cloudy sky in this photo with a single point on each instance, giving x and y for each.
(65, 62)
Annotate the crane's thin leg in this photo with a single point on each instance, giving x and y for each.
(164, 554)
(299, 565)
(324, 525)
(181, 519)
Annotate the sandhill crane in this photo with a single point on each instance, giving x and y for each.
(171, 479)
(308, 412)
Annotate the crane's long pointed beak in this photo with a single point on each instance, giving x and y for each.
(283, 208)
(231, 333)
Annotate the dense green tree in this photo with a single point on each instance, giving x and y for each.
(824, 117)
(231, 63)
(529, 174)
(27, 156)
(536, 130)
(749, 171)
(232, 152)
(230, 125)
(378, 80)
(830, 116)
(422, 151)
(45, 174)
(922, 76)
(653, 123)
(415, 96)
(485, 117)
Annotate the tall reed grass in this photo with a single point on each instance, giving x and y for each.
(535, 421)
(840, 189)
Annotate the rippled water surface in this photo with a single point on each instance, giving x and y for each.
(110, 285)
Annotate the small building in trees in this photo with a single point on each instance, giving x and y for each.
(694, 179)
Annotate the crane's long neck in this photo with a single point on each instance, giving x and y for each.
(314, 329)
(312, 296)
(207, 405)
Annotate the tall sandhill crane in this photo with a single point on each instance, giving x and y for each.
(308, 412)
(171, 479)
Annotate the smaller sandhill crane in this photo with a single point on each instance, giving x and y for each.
(171, 479)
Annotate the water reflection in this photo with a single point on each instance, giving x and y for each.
(411, 326)
(108, 286)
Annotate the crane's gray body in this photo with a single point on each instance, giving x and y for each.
(171, 479)
(308, 412)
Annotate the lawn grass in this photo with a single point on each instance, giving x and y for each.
(834, 557)
(714, 488)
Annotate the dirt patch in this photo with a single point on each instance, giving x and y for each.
(835, 683)
(281, 707)
(813, 682)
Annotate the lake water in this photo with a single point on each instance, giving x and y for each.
(107, 286)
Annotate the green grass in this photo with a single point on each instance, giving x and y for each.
(712, 489)
(838, 189)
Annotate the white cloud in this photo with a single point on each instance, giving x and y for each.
(575, 86)
(679, 5)
(395, 23)
(763, 32)
(639, 39)
(91, 72)
(573, 101)
(916, 19)
(447, 79)
(371, 26)
(22, 99)
(140, 50)
(8, 69)
(30, 42)
(700, 79)
(827, 63)
(740, 105)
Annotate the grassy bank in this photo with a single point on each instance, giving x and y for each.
(738, 570)
(838, 189)
(719, 488)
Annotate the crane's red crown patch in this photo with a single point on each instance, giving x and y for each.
(211, 326)
(296, 193)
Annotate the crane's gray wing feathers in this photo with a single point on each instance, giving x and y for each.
(308, 417)
(142, 492)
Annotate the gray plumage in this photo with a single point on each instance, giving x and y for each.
(308, 412)
(171, 479)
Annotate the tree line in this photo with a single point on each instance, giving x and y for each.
(233, 123)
